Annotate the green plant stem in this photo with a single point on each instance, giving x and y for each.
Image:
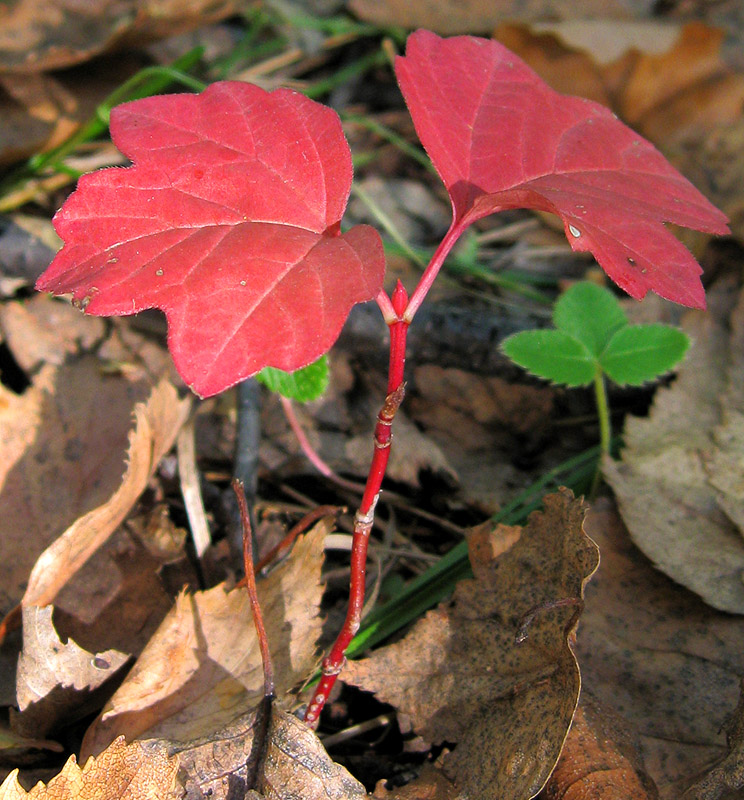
(605, 431)
(603, 410)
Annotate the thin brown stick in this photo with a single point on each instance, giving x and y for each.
(250, 585)
(296, 530)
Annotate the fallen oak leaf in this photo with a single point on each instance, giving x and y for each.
(63, 446)
(38, 36)
(725, 779)
(462, 677)
(229, 221)
(122, 772)
(501, 138)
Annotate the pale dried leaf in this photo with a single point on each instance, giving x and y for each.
(295, 767)
(678, 483)
(725, 464)
(203, 667)
(660, 657)
(122, 772)
(55, 680)
(475, 16)
(462, 677)
(44, 330)
(157, 423)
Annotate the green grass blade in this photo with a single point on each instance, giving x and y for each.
(438, 582)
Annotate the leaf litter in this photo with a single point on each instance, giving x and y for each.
(463, 677)
(432, 777)
(679, 485)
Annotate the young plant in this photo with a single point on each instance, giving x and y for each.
(229, 221)
(592, 339)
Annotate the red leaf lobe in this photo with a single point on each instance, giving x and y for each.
(228, 221)
(502, 138)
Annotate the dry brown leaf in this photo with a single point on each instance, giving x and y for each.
(679, 479)
(658, 656)
(431, 784)
(203, 667)
(476, 421)
(122, 772)
(157, 423)
(599, 760)
(460, 674)
(63, 445)
(55, 680)
(478, 16)
(41, 35)
(44, 330)
(725, 781)
(117, 599)
(414, 453)
(295, 765)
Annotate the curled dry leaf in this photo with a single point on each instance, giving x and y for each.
(462, 677)
(63, 445)
(122, 772)
(655, 653)
(157, 422)
(55, 680)
(203, 668)
(678, 482)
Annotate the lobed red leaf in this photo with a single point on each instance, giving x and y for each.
(229, 221)
(501, 138)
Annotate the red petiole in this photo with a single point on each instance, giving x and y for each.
(398, 313)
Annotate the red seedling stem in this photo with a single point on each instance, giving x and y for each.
(364, 518)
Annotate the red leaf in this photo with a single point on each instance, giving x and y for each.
(228, 222)
(502, 138)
